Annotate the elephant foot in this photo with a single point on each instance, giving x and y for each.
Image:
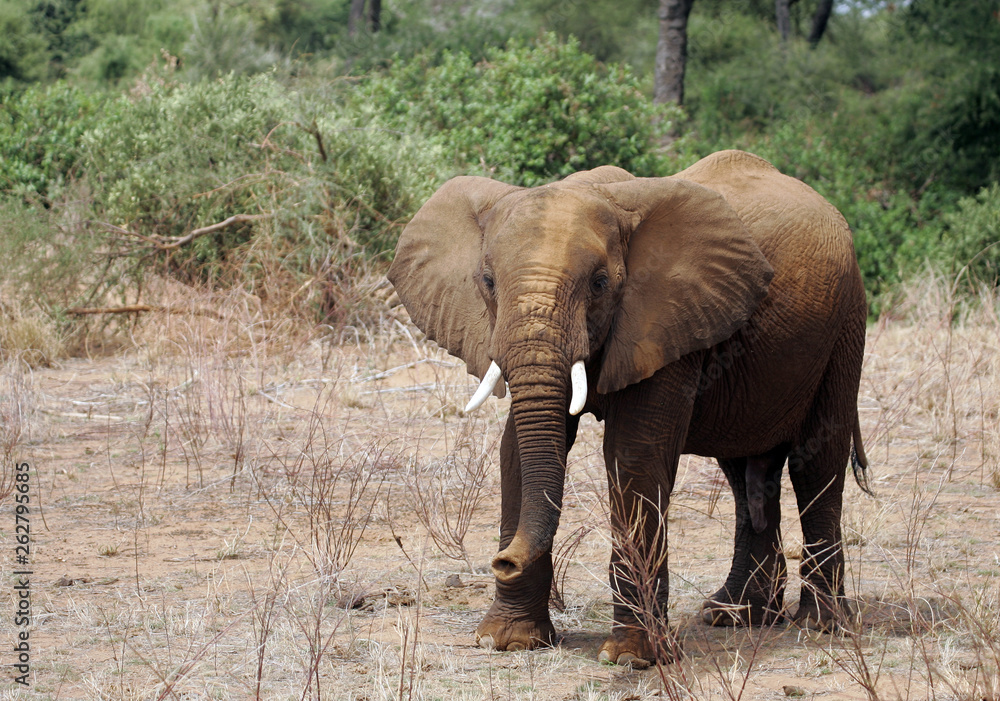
(510, 635)
(632, 647)
(723, 609)
(822, 613)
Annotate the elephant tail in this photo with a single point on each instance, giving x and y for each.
(859, 461)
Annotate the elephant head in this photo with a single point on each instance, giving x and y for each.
(600, 274)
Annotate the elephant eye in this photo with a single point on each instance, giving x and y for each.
(489, 283)
(600, 283)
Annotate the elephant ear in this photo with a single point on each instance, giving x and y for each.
(694, 275)
(435, 264)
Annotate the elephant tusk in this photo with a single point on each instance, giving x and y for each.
(578, 376)
(490, 380)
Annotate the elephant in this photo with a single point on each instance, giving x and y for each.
(719, 312)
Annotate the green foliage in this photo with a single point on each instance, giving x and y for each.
(957, 134)
(23, 52)
(151, 156)
(526, 114)
(972, 234)
(41, 129)
(296, 27)
(895, 118)
(610, 30)
(58, 27)
(224, 43)
(116, 57)
(187, 156)
(429, 29)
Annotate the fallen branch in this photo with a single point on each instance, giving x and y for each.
(79, 415)
(138, 308)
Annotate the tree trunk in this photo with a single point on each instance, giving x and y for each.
(375, 15)
(784, 18)
(820, 19)
(355, 16)
(671, 51)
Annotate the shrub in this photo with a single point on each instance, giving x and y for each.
(41, 129)
(30, 338)
(186, 156)
(23, 52)
(429, 28)
(526, 114)
(222, 43)
(972, 235)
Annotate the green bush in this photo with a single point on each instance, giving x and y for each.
(49, 259)
(224, 43)
(971, 235)
(525, 114)
(610, 30)
(23, 52)
(41, 130)
(186, 156)
(428, 28)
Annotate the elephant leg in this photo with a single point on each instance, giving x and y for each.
(641, 449)
(817, 467)
(754, 590)
(519, 617)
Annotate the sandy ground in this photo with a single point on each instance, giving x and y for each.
(224, 517)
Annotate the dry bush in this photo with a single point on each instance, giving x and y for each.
(29, 337)
(335, 480)
(447, 492)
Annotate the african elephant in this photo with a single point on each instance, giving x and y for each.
(719, 312)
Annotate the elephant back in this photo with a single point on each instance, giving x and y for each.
(805, 238)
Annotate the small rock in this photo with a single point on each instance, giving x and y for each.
(793, 691)
(454, 581)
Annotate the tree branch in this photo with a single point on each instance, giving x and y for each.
(165, 243)
(177, 242)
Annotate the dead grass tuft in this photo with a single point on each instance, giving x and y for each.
(29, 337)
(17, 405)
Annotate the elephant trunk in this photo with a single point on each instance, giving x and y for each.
(538, 407)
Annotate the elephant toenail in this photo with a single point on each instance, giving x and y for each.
(486, 641)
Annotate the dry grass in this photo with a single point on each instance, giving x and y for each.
(285, 511)
(30, 338)
(17, 400)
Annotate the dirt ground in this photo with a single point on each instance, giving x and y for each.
(223, 512)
